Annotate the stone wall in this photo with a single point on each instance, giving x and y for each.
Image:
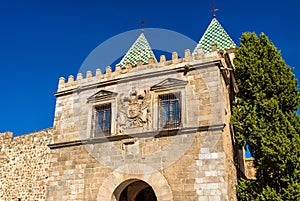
(192, 162)
(77, 174)
(24, 165)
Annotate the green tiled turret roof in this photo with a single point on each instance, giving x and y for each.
(215, 34)
(140, 50)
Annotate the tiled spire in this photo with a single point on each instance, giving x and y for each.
(140, 50)
(214, 35)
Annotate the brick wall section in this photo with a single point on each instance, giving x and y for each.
(24, 165)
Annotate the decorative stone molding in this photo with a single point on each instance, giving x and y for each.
(101, 96)
(169, 83)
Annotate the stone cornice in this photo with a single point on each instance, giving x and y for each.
(154, 134)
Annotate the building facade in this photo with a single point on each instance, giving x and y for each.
(151, 129)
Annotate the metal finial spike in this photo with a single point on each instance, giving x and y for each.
(214, 9)
(143, 25)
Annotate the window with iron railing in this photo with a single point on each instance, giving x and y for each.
(102, 120)
(169, 110)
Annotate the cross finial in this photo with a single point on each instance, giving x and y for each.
(214, 9)
(143, 25)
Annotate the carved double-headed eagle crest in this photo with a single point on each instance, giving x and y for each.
(134, 110)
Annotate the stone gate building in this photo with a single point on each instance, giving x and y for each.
(148, 130)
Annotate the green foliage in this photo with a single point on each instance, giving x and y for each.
(265, 117)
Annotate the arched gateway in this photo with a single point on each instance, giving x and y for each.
(134, 190)
(135, 187)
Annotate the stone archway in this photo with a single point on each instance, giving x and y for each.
(134, 190)
(138, 172)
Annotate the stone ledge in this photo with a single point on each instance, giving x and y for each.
(155, 134)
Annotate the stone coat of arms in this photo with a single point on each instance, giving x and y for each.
(134, 110)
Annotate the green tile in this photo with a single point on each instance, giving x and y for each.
(140, 50)
(215, 34)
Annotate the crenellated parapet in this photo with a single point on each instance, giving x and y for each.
(6, 135)
(120, 72)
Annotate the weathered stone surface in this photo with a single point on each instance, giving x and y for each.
(194, 161)
(24, 165)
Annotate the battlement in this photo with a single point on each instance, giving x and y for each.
(6, 135)
(120, 72)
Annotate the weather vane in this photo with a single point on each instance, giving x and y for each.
(143, 25)
(214, 9)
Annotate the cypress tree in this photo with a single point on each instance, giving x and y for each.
(265, 118)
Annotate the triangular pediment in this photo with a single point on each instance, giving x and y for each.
(102, 95)
(169, 83)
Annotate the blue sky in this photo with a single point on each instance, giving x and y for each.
(43, 40)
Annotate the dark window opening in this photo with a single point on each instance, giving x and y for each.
(170, 110)
(102, 120)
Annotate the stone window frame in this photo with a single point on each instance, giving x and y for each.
(103, 107)
(99, 99)
(170, 99)
(169, 86)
